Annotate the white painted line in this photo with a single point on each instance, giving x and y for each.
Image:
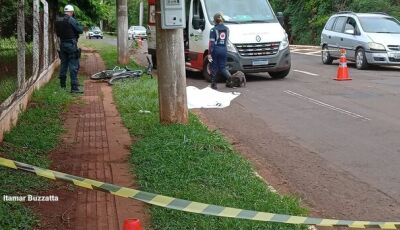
(304, 46)
(355, 115)
(309, 54)
(305, 72)
(309, 49)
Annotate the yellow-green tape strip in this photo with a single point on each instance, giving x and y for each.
(190, 206)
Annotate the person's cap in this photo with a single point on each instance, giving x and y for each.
(218, 17)
(68, 8)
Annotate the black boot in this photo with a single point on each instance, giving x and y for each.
(76, 90)
(63, 85)
(213, 83)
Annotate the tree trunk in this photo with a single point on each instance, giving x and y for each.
(171, 74)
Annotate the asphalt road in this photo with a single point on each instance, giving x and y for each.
(334, 144)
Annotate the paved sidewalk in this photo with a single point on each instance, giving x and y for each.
(97, 146)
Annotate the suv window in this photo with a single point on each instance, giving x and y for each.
(339, 24)
(330, 23)
(380, 25)
(351, 24)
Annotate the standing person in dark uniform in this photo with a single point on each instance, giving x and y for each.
(68, 30)
(219, 36)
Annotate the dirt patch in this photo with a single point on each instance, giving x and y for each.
(96, 145)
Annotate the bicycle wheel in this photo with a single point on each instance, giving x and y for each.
(117, 78)
(123, 76)
(99, 76)
(135, 73)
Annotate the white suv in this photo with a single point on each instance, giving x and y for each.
(136, 32)
(95, 32)
(369, 38)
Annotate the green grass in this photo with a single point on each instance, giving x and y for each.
(7, 87)
(37, 133)
(107, 52)
(190, 162)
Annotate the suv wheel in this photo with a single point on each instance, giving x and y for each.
(361, 60)
(326, 56)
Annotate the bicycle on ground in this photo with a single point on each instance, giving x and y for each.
(118, 74)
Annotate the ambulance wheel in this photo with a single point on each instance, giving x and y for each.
(280, 74)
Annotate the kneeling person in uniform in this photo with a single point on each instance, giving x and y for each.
(219, 36)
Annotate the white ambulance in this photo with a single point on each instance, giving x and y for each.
(257, 42)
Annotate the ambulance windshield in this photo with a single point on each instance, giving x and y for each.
(240, 11)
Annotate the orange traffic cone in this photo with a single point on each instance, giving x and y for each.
(132, 224)
(343, 71)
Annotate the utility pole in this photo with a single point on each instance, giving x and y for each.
(171, 73)
(122, 40)
(141, 13)
(101, 20)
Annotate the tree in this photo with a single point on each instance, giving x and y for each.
(307, 17)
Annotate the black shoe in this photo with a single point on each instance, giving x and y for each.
(214, 85)
(78, 91)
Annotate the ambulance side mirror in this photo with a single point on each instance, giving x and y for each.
(198, 23)
(281, 18)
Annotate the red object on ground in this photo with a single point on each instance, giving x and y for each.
(132, 224)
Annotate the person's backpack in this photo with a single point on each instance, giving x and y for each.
(237, 79)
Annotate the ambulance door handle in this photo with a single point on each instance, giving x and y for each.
(192, 34)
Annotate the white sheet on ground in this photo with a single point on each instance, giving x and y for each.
(208, 98)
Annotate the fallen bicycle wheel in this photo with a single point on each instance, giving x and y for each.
(107, 74)
(99, 76)
(123, 77)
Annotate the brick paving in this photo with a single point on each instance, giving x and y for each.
(98, 148)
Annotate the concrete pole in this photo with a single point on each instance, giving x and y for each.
(21, 43)
(45, 34)
(101, 20)
(122, 41)
(171, 74)
(36, 45)
(141, 14)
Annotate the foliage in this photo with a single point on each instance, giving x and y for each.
(37, 133)
(88, 12)
(8, 66)
(306, 18)
(134, 12)
(7, 87)
(8, 18)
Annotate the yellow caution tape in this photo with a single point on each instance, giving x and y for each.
(191, 206)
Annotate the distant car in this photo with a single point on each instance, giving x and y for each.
(136, 32)
(369, 39)
(95, 32)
